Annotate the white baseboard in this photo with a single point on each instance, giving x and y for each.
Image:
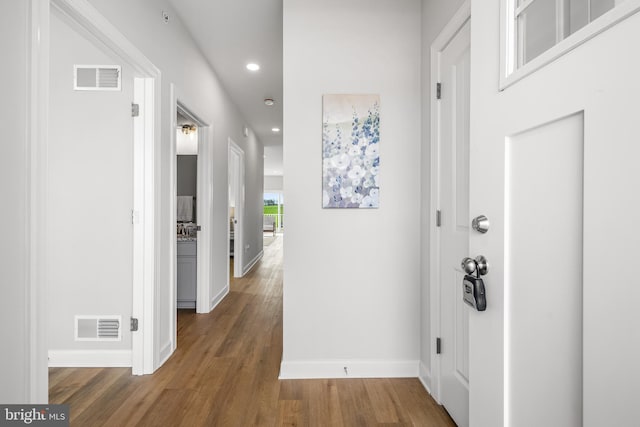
(355, 369)
(252, 263)
(90, 358)
(165, 353)
(425, 377)
(219, 297)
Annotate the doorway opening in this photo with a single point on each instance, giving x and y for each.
(236, 210)
(186, 212)
(191, 215)
(104, 194)
(273, 216)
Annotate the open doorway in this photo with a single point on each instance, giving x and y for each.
(95, 194)
(186, 212)
(273, 216)
(192, 215)
(236, 210)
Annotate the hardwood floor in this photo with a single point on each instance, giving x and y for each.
(225, 373)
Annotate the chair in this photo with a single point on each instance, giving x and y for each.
(269, 224)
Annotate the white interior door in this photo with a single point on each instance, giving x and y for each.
(549, 157)
(454, 229)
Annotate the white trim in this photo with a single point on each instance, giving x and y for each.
(143, 229)
(253, 262)
(90, 358)
(424, 375)
(217, 299)
(510, 75)
(172, 233)
(35, 313)
(439, 44)
(355, 369)
(165, 352)
(204, 212)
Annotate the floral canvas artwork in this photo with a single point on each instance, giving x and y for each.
(350, 151)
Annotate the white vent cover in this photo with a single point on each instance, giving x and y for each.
(98, 328)
(96, 77)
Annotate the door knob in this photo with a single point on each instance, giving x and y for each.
(479, 265)
(480, 224)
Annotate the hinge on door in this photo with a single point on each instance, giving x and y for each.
(438, 218)
(135, 110)
(438, 346)
(135, 217)
(134, 324)
(438, 90)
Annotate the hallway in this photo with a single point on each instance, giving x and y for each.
(225, 373)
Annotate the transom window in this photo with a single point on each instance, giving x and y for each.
(536, 32)
(541, 24)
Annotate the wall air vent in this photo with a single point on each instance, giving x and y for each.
(98, 328)
(96, 77)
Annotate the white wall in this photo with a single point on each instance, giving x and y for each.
(171, 49)
(14, 312)
(352, 277)
(90, 194)
(435, 15)
(273, 183)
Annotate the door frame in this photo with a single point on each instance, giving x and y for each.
(437, 47)
(146, 132)
(204, 209)
(238, 257)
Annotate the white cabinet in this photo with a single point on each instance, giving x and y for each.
(187, 274)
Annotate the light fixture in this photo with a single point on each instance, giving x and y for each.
(269, 102)
(187, 129)
(252, 66)
(275, 129)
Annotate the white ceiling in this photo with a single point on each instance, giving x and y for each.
(232, 33)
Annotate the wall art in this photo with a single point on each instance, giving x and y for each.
(350, 151)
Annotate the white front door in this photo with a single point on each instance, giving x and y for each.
(454, 230)
(554, 166)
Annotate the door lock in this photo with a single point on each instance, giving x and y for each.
(480, 224)
(473, 291)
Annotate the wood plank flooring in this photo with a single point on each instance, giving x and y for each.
(225, 373)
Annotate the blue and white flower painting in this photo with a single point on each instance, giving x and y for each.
(350, 151)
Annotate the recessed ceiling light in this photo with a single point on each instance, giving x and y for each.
(269, 102)
(253, 67)
(275, 129)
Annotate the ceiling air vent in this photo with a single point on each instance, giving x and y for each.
(98, 328)
(96, 77)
